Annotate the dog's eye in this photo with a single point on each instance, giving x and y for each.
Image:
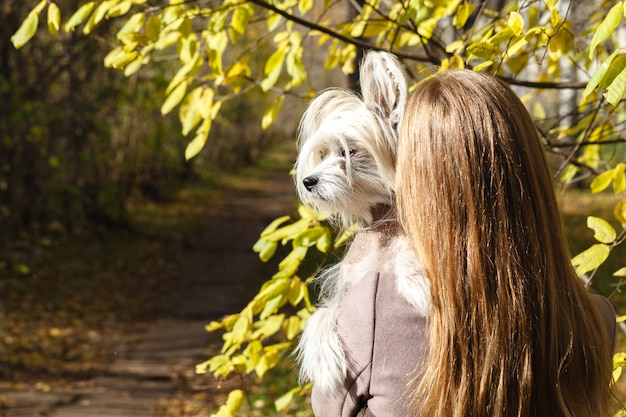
(343, 152)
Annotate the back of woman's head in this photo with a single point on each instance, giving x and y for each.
(513, 329)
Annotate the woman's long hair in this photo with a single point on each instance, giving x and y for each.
(513, 332)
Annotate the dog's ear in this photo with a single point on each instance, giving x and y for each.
(383, 85)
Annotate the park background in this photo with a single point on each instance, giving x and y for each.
(144, 142)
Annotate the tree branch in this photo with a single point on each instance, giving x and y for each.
(356, 42)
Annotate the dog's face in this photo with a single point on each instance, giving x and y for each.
(345, 164)
(347, 144)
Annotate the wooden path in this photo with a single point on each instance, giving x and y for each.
(218, 275)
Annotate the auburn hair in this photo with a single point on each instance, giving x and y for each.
(513, 331)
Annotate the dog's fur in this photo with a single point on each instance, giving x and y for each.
(345, 168)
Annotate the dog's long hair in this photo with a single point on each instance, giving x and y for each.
(346, 168)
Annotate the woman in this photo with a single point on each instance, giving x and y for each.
(512, 331)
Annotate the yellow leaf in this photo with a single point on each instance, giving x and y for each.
(619, 212)
(608, 26)
(273, 68)
(599, 74)
(455, 47)
(135, 65)
(516, 23)
(79, 16)
(560, 44)
(621, 273)
(288, 232)
(309, 237)
(483, 50)
(120, 9)
(603, 231)
(555, 17)
(241, 17)
(591, 258)
(213, 326)
(153, 28)
(189, 112)
(285, 399)
(304, 6)
(118, 58)
(569, 173)
(324, 243)
(551, 3)
(602, 181)
(271, 112)
(297, 291)
(98, 15)
(483, 65)
(174, 97)
(274, 225)
(462, 14)
(617, 88)
(133, 24)
(26, 30)
(54, 19)
(619, 179)
(197, 143)
(268, 250)
(233, 404)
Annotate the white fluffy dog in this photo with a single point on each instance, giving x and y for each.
(346, 168)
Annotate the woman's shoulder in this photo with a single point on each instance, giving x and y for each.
(607, 313)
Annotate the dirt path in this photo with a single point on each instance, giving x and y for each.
(218, 275)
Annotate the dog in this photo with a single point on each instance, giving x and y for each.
(345, 168)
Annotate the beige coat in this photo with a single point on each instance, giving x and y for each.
(384, 338)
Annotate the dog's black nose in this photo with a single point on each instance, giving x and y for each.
(310, 182)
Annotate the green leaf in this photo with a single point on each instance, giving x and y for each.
(54, 19)
(603, 231)
(26, 31)
(79, 16)
(608, 26)
(591, 258)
